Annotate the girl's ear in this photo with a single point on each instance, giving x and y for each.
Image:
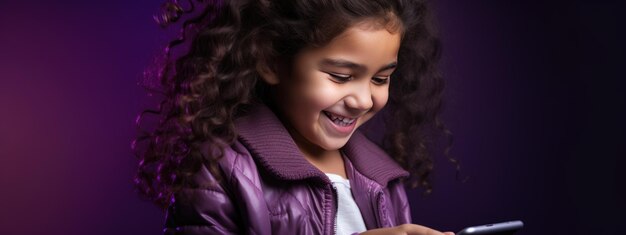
(267, 74)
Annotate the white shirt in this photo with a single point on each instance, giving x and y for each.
(349, 219)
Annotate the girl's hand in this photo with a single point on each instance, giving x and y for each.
(406, 229)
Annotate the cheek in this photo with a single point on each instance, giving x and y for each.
(318, 94)
(326, 96)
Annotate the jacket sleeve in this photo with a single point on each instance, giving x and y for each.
(206, 210)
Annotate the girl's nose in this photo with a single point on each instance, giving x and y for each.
(360, 98)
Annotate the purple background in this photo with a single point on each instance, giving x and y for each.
(534, 99)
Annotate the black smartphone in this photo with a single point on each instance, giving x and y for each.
(504, 228)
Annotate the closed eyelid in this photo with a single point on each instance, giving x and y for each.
(381, 80)
(342, 75)
(339, 74)
(339, 77)
(343, 78)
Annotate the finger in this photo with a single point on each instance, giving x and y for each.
(414, 229)
(448, 233)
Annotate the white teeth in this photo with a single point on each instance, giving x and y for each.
(339, 119)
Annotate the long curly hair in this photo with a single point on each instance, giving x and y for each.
(215, 80)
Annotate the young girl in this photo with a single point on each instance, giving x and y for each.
(259, 129)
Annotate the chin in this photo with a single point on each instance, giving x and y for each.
(335, 144)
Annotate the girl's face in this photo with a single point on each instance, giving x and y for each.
(334, 89)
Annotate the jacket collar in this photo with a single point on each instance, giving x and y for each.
(273, 148)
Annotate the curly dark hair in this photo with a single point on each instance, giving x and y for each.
(216, 80)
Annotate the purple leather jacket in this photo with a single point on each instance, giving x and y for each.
(269, 188)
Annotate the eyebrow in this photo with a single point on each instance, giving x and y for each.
(352, 65)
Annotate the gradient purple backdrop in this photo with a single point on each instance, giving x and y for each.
(535, 99)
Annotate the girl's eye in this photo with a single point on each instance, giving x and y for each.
(380, 80)
(341, 77)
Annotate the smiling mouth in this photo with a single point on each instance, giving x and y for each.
(340, 120)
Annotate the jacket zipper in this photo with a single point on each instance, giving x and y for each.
(336, 204)
(382, 212)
